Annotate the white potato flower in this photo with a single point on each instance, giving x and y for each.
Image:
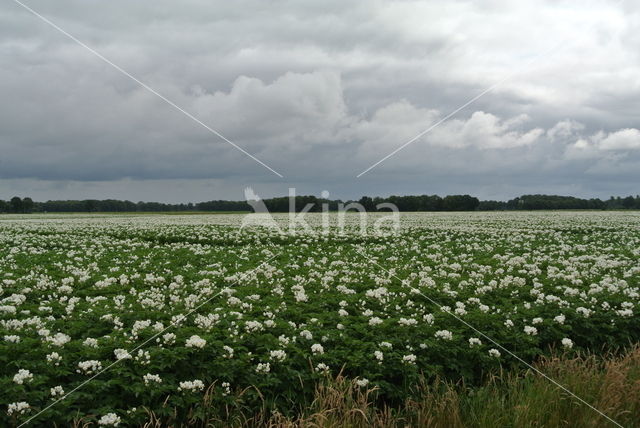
(444, 334)
(567, 343)
(122, 354)
(278, 355)
(110, 419)
(263, 368)
(151, 378)
(23, 376)
(191, 385)
(362, 382)
(409, 359)
(195, 341)
(474, 341)
(20, 407)
(57, 391)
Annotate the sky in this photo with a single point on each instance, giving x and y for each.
(492, 98)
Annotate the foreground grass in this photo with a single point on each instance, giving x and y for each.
(508, 399)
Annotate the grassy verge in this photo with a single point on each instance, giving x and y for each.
(610, 384)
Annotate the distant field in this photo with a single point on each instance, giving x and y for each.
(205, 318)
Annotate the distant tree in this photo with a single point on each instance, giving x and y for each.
(27, 205)
(367, 203)
(430, 203)
(405, 203)
(628, 202)
(90, 205)
(492, 206)
(460, 203)
(281, 204)
(15, 204)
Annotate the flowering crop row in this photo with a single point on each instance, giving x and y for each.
(179, 303)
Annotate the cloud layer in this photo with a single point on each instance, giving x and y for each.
(320, 91)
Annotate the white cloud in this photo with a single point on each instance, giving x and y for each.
(624, 139)
(605, 145)
(296, 109)
(484, 131)
(564, 130)
(393, 125)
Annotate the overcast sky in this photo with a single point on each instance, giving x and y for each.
(319, 91)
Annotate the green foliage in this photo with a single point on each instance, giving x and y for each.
(97, 277)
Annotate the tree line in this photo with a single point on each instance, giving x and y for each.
(524, 202)
(281, 204)
(26, 205)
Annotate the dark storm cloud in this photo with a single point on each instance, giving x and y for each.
(319, 91)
